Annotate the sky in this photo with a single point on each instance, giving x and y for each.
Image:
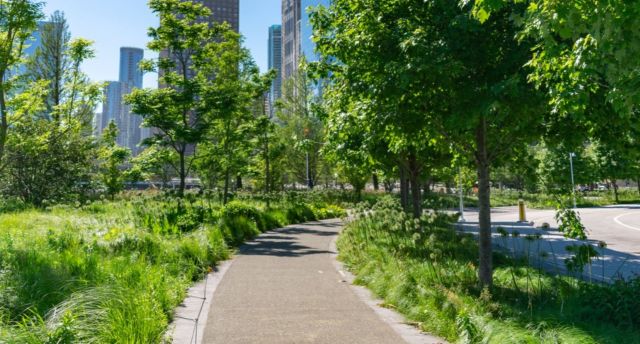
(112, 24)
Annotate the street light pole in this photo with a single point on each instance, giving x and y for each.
(461, 196)
(573, 186)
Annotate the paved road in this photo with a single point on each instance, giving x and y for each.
(617, 226)
(284, 288)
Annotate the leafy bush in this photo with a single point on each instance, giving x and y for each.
(236, 209)
(238, 229)
(299, 213)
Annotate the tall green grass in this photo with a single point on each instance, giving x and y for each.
(113, 272)
(427, 271)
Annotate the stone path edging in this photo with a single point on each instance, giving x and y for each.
(409, 333)
(191, 316)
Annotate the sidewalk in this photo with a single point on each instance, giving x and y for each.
(550, 251)
(284, 288)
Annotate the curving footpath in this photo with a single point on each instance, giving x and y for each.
(284, 288)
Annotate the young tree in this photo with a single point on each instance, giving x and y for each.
(51, 61)
(439, 79)
(17, 21)
(236, 84)
(112, 160)
(179, 110)
(155, 163)
(49, 154)
(298, 111)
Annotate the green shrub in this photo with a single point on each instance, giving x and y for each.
(329, 212)
(239, 209)
(299, 213)
(238, 229)
(274, 218)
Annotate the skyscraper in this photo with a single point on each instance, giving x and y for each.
(296, 34)
(291, 14)
(221, 11)
(224, 11)
(130, 79)
(129, 71)
(111, 106)
(275, 63)
(114, 108)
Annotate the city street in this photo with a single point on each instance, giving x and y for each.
(618, 226)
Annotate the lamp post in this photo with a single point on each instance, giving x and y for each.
(573, 187)
(461, 195)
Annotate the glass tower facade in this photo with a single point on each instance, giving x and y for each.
(275, 63)
(291, 15)
(129, 66)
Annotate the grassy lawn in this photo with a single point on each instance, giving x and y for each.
(112, 272)
(427, 271)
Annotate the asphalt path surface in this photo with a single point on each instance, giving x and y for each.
(284, 288)
(617, 226)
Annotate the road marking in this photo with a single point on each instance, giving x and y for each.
(617, 220)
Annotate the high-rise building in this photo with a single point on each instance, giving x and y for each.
(291, 15)
(296, 34)
(114, 108)
(275, 63)
(130, 78)
(111, 107)
(224, 11)
(221, 11)
(130, 72)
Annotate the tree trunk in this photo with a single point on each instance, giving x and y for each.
(615, 190)
(638, 184)
(238, 182)
(183, 174)
(416, 192)
(404, 188)
(4, 124)
(227, 181)
(485, 269)
(376, 183)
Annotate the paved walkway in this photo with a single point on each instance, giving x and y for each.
(621, 257)
(284, 288)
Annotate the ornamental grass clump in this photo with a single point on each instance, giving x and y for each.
(426, 270)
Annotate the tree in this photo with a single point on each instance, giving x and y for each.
(365, 55)
(155, 163)
(17, 21)
(235, 87)
(179, 110)
(438, 79)
(586, 61)
(49, 154)
(51, 61)
(112, 160)
(298, 112)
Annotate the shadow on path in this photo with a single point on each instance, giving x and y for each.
(285, 242)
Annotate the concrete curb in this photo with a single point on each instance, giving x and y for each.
(190, 317)
(395, 320)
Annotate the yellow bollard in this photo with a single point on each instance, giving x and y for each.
(523, 216)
